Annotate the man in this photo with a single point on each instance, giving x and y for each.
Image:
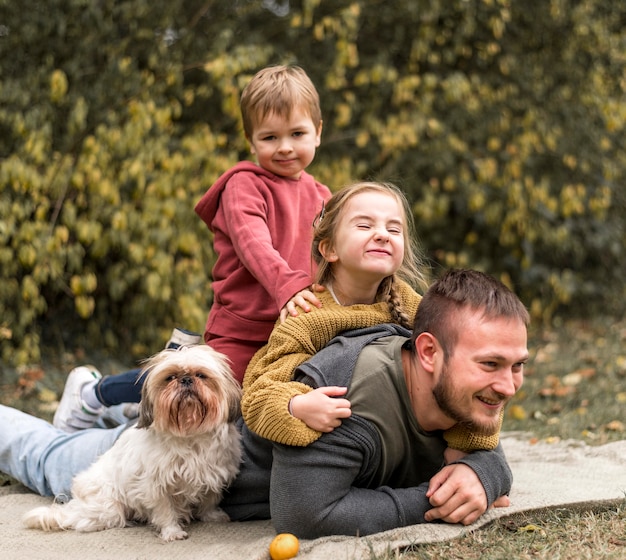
(381, 468)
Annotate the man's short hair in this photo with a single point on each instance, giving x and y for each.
(278, 89)
(456, 291)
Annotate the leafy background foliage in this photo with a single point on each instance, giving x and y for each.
(503, 121)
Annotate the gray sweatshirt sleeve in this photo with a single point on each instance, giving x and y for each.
(326, 488)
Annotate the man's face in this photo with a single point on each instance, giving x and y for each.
(483, 372)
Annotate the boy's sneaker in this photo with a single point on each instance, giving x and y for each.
(182, 337)
(73, 414)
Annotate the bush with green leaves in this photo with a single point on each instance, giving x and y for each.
(503, 121)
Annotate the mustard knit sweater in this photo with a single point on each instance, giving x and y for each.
(268, 385)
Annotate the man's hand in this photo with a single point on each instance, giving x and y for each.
(457, 496)
(302, 299)
(320, 409)
(451, 455)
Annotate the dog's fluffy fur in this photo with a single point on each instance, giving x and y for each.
(174, 464)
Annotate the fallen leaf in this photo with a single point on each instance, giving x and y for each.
(586, 373)
(47, 396)
(517, 412)
(615, 426)
(530, 528)
(572, 379)
(563, 391)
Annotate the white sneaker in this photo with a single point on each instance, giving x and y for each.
(182, 337)
(73, 414)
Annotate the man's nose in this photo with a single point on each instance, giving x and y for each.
(506, 383)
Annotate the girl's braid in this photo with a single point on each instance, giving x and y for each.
(387, 293)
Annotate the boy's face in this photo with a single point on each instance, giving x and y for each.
(285, 146)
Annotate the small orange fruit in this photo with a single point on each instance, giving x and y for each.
(284, 546)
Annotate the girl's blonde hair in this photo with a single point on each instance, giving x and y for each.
(279, 90)
(412, 267)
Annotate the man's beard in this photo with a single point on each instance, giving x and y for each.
(450, 399)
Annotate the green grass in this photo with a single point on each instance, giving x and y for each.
(575, 383)
(561, 533)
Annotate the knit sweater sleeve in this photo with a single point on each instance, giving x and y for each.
(268, 385)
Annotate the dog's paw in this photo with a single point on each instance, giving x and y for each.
(172, 533)
(216, 515)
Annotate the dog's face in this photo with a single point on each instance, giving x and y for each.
(188, 391)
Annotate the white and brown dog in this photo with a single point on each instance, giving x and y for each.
(174, 464)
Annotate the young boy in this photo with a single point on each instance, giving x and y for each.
(261, 216)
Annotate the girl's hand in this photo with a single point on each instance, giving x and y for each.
(302, 299)
(320, 409)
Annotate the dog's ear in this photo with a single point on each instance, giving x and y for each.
(233, 397)
(146, 414)
(234, 409)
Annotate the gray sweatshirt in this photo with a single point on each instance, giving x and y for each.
(368, 475)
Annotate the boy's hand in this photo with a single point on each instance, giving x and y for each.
(302, 299)
(457, 496)
(320, 409)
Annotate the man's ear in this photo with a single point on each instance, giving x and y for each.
(427, 349)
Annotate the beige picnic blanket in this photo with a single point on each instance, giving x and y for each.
(545, 475)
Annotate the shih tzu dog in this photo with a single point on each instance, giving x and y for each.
(173, 465)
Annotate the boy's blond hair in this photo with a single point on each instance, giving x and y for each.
(278, 90)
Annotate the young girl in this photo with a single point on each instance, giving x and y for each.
(362, 244)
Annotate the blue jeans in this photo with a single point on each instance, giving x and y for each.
(120, 388)
(44, 458)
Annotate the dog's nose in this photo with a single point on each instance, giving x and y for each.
(186, 380)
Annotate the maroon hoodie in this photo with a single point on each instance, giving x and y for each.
(262, 228)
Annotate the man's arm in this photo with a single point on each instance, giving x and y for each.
(323, 489)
